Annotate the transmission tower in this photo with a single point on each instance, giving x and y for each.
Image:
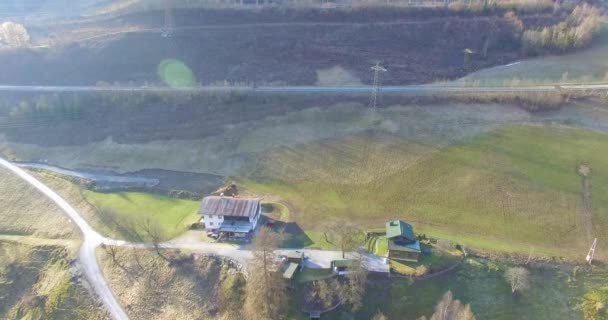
(377, 85)
(591, 251)
(167, 30)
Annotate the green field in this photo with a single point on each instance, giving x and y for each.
(589, 65)
(174, 216)
(507, 190)
(553, 295)
(482, 285)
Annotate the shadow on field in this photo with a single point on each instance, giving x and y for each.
(296, 237)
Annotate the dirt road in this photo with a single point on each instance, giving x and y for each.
(92, 239)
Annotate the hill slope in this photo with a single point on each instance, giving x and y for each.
(507, 190)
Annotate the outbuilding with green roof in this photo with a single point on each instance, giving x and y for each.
(402, 243)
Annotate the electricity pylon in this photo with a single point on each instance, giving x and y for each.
(167, 30)
(377, 85)
(591, 251)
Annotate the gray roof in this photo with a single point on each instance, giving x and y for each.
(229, 206)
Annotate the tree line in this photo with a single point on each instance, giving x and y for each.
(575, 32)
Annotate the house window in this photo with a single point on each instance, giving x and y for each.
(211, 224)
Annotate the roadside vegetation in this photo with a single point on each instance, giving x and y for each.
(26, 211)
(38, 282)
(173, 285)
(520, 182)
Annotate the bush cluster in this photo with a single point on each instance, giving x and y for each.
(575, 32)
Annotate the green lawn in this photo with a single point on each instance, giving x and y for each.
(313, 274)
(508, 190)
(483, 287)
(438, 260)
(553, 295)
(174, 216)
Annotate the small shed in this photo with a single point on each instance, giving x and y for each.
(290, 271)
(342, 267)
(294, 256)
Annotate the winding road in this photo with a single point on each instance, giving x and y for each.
(92, 239)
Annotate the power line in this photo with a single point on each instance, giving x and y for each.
(591, 251)
(377, 85)
(169, 24)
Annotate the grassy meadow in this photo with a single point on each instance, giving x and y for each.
(552, 295)
(508, 190)
(173, 216)
(482, 285)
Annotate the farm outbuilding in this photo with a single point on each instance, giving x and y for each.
(402, 243)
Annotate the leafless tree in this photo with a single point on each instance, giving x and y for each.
(379, 316)
(344, 235)
(322, 294)
(266, 297)
(353, 291)
(110, 250)
(517, 278)
(154, 233)
(449, 309)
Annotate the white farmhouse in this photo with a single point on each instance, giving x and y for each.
(229, 215)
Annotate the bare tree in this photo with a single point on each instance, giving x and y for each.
(379, 316)
(344, 235)
(353, 291)
(449, 309)
(14, 34)
(323, 294)
(110, 250)
(266, 297)
(154, 233)
(517, 278)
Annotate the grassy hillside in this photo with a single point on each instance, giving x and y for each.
(587, 65)
(36, 283)
(185, 287)
(25, 211)
(174, 216)
(241, 46)
(508, 190)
